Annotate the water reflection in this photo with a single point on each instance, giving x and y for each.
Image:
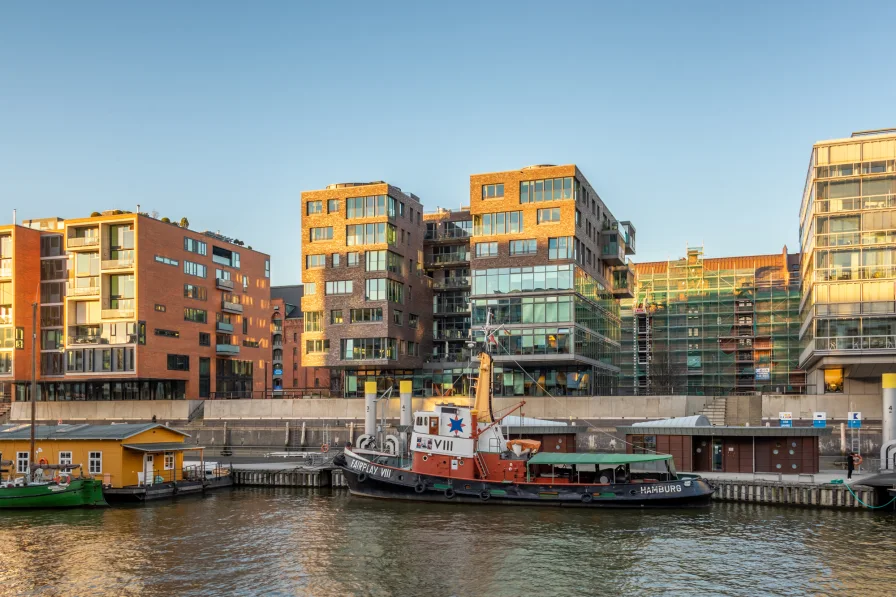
(295, 542)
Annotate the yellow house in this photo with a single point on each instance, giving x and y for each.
(128, 455)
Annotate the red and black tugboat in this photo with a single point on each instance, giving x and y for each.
(460, 454)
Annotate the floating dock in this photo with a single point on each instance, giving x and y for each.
(321, 477)
(826, 495)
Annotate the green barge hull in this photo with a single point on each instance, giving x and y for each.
(77, 494)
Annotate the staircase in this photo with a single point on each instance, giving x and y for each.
(198, 412)
(715, 410)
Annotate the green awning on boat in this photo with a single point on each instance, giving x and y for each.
(588, 458)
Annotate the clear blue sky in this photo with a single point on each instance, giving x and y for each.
(693, 120)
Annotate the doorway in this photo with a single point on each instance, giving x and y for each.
(148, 470)
(717, 455)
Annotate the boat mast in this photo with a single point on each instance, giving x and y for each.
(33, 383)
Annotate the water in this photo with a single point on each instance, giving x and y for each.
(309, 542)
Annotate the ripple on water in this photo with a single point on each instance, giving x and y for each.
(306, 542)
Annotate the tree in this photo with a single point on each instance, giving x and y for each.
(184, 223)
(166, 220)
(666, 376)
(94, 214)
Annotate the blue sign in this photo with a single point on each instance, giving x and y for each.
(786, 422)
(819, 423)
(854, 420)
(278, 371)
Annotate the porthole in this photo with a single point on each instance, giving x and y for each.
(792, 452)
(792, 466)
(702, 443)
(775, 451)
(777, 466)
(425, 458)
(793, 444)
(400, 477)
(699, 450)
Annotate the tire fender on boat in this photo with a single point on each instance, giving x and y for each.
(362, 477)
(485, 495)
(419, 487)
(449, 493)
(587, 497)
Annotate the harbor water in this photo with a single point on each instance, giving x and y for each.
(262, 541)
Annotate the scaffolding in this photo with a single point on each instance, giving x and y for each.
(713, 327)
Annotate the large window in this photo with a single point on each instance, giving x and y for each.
(121, 291)
(382, 260)
(322, 233)
(369, 207)
(367, 315)
(195, 315)
(369, 234)
(552, 189)
(523, 247)
(332, 206)
(336, 316)
(550, 214)
(487, 249)
(339, 287)
(178, 362)
(314, 207)
(317, 346)
(195, 292)
(313, 321)
(375, 290)
(498, 223)
(195, 246)
(561, 248)
(493, 191)
(22, 459)
(312, 261)
(369, 348)
(195, 269)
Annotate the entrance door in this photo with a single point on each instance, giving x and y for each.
(717, 454)
(148, 469)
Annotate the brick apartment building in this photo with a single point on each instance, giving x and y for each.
(290, 378)
(131, 307)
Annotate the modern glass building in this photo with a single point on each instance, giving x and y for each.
(847, 238)
(713, 326)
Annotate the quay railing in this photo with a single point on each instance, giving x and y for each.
(291, 393)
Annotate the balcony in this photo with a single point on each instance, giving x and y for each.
(79, 242)
(222, 284)
(5, 272)
(75, 291)
(277, 344)
(85, 339)
(447, 283)
(229, 307)
(628, 234)
(447, 259)
(623, 282)
(118, 264)
(227, 349)
(451, 309)
(117, 313)
(443, 335)
(612, 247)
(225, 327)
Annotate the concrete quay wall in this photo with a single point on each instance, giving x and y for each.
(105, 411)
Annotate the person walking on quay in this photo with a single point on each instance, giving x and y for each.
(850, 464)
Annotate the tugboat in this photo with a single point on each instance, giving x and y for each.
(459, 454)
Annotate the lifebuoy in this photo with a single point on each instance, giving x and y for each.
(325, 448)
(587, 497)
(449, 493)
(485, 495)
(43, 461)
(362, 477)
(57, 479)
(419, 487)
(857, 459)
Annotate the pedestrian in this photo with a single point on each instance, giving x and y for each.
(850, 464)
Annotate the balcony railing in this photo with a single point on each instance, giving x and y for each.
(223, 284)
(451, 283)
(82, 241)
(443, 309)
(120, 263)
(451, 335)
(86, 339)
(222, 326)
(448, 258)
(277, 344)
(227, 349)
(5, 319)
(856, 343)
(117, 313)
(231, 307)
(5, 272)
(83, 290)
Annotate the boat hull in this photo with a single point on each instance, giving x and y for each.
(78, 494)
(374, 481)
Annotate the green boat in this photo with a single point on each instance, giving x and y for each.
(66, 492)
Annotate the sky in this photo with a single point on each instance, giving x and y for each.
(693, 120)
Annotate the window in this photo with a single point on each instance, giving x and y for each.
(375, 290)
(353, 259)
(551, 214)
(267, 268)
(322, 233)
(523, 247)
(251, 343)
(195, 292)
(498, 223)
(310, 288)
(195, 246)
(397, 317)
(222, 274)
(487, 249)
(313, 320)
(833, 381)
(368, 207)
(492, 191)
(194, 269)
(335, 257)
(366, 315)
(178, 362)
(167, 333)
(395, 291)
(339, 287)
(317, 346)
(369, 348)
(314, 207)
(245, 282)
(312, 261)
(205, 339)
(413, 320)
(560, 248)
(95, 463)
(332, 206)
(65, 458)
(160, 308)
(195, 315)
(336, 316)
(369, 234)
(245, 325)
(22, 462)
(169, 461)
(552, 189)
(375, 261)
(167, 261)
